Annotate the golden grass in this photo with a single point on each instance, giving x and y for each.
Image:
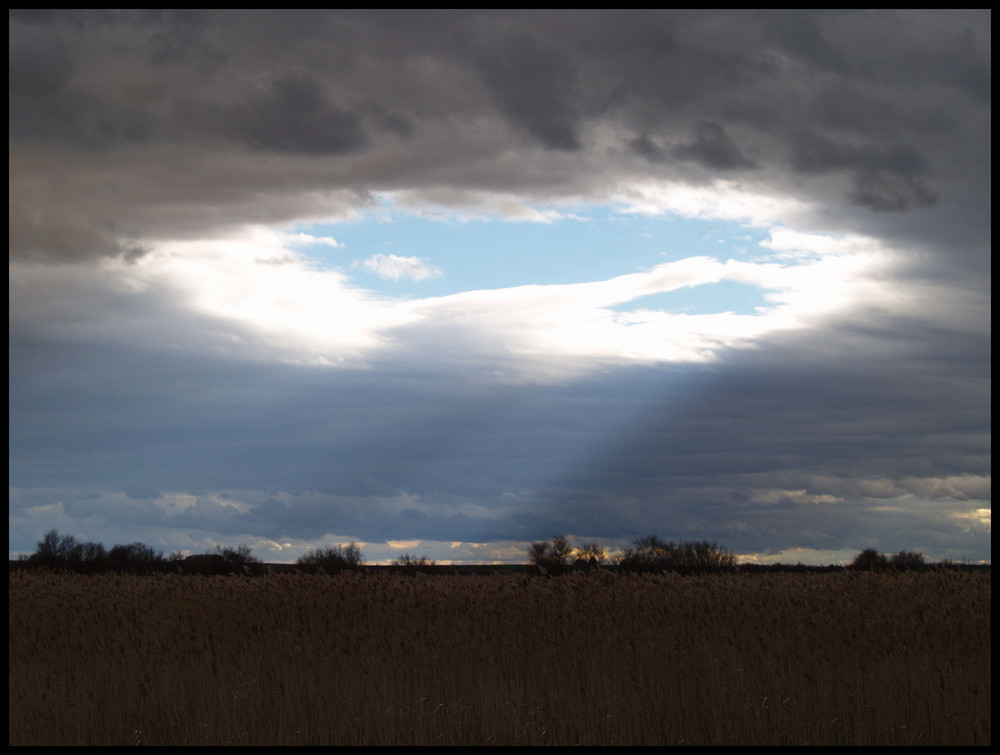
(843, 658)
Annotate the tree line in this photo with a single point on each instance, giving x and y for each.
(871, 560)
(56, 551)
(648, 554)
(557, 555)
(651, 554)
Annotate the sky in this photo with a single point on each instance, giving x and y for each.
(446, 283)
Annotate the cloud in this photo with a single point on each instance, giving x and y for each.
(532, 85)
(259, 115)
(173, 341)
(292, 114)
(305, 239)
(394, 267)
(259, 297)
(713, 148)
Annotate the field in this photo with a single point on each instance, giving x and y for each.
(298, 659)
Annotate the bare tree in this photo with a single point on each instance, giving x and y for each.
(334, 558)
(592, 553)
(552, 555)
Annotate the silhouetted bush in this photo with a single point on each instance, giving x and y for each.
(551, 555)
(908, 561)
(651, 554)
(870, 560)
(238, 557)
(93, 553)
(409, 560)
(557, 555)
(57, 551)
(590, 554)
(135, 557)
(410, 564)
(334, 558)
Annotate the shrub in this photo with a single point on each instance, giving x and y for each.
(908, 561)
(93, 553)
(237, 557)
(551, 555)
(334, 558)
(870, 560)
(134, 556)
(651, 554)
(64, 552)
(647, 554)
(701, 555)
(411, 561)
(538, 552)
(56, 550)
(591, 554)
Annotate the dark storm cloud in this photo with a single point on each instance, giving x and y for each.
(36, 69)
(800, 35)
(886, 178)
(293, 114)
(46, 107)
(712, 148)
(534, 87)
(647, 148)
(887, 104)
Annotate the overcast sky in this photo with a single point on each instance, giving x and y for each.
(447, 283)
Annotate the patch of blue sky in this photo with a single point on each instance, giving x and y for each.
(477, 254)
(705, 299)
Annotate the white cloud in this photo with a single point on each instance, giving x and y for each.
(725, 200)
(771, 497)
(393, 267)
(980, 519)
(306, 239)
(262, 296)
(577, 326)
(248, 293)
(402, 545)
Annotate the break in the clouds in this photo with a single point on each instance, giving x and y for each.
(454, 281)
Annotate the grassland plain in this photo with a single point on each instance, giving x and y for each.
(598, 658)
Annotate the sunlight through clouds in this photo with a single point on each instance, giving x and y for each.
(712, 274)
(282, 299)
(273, 295)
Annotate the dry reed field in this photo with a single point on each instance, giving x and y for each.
(381, 659)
